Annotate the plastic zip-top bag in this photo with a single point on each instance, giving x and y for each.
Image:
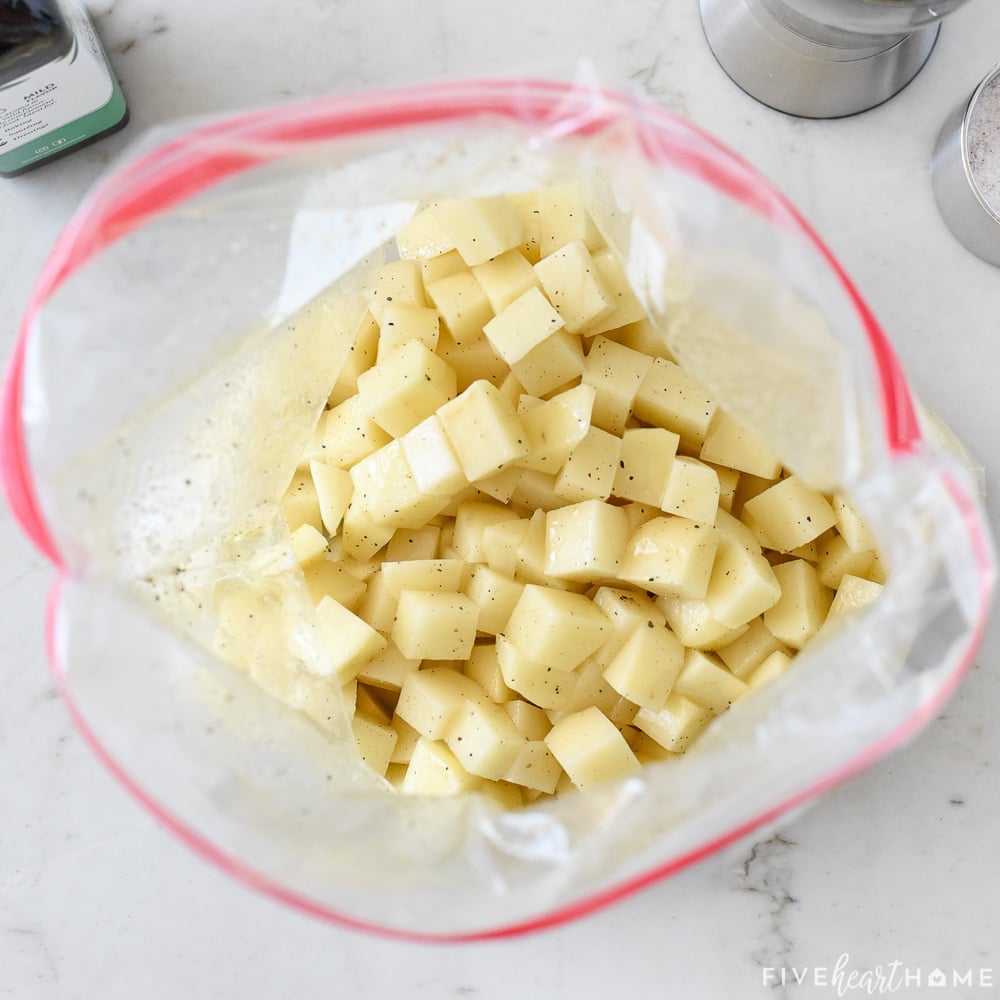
(180, 347)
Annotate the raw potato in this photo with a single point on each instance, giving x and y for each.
(542, 556)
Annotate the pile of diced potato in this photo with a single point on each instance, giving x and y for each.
(542, 555)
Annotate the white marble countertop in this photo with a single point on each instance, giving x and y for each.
(96, 900)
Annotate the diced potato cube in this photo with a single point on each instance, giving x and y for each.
(627, 611)
(853, 592)
(496, 596)
(360, 357)
(671, 556)
(379, 605)
(574, 287)
(669, 397)
(849, 523)
(728, 482)
(730, 443)
(675, 725)
(500, 542)
(246, 627)
(628, 309)
(512, 389)
(639, 513)
(645, 668)
(879, 571)
(483, 666)
(398, 281)
(462, 305)
(300, 504)
(432, 459)
(333, 492)
(731, 531)
(324, 701)
(810, 551)
(384, 487)
(554, 363)
(434, 770)
(401, 322)
(535, 491)
(406, 741)
(526, 205)
(556, 628)
(349, 640)
(350, 434)
(837, 559)
(563, 218)
(500, 485)
(325, 578)
(348, 698)
(375, 703)
(647, 456)
(388, 669)
(375, 742)
(422, 237)
(522, 326)
(742, 586)
(443, 576)
(406, 387)
(435, 268)
(540, 683)
(642, 336)
(590, 749)
(692, 490)
(508, 797)
(584, 541)
(307, 544)
(705, 679)
(431, 698)
(505, 279)
(589, 688)
(473, 360)
(647, 750)
(483, 428)
(692, 623)
(471, 522)
(745, 654)
(790, 513)
(535, 767)
(615, 372)
(413, 543)
(747, 488)
(589, 472)
(362, 536)
(803, 605)
(480, 228)
(314, 446)
(554, 427)
(774, 666)
(532, 723)
(434, 626)
(484, 739)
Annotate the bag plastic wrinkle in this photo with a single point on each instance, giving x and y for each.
(173, 378)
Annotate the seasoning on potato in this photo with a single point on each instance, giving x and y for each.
(541, 553)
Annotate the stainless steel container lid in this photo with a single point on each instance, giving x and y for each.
(965, 170)
(786, 60)
(822, 58)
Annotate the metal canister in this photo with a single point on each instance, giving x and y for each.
(965, 170)
(822, 58)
